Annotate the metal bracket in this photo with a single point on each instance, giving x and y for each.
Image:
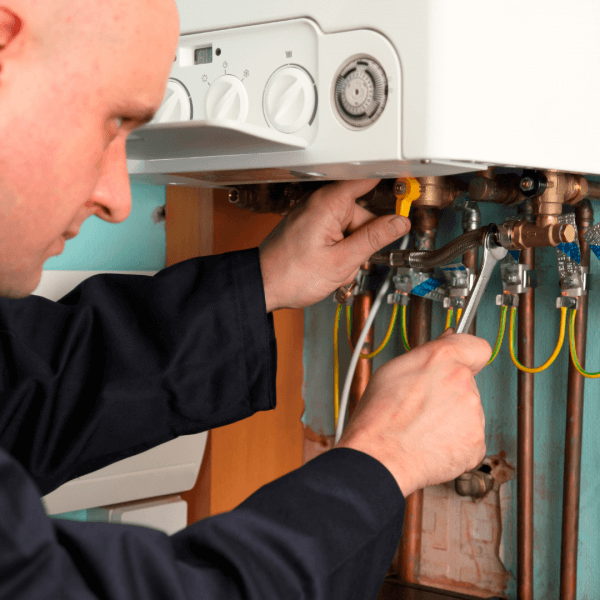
(516, 277)
(507, 299)
(362, 282)
(459, 280)
(404, 279)
(569, 264)
(454, 302)
(398, 298)
(567, 302)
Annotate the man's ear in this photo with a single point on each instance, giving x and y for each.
(10, 25)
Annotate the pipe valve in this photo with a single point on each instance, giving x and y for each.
(519, 235)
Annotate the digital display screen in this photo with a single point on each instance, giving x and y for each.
(203, 56)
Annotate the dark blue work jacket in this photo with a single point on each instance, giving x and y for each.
(187, 350)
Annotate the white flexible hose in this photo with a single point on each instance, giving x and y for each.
(356, 354)
(361, 340)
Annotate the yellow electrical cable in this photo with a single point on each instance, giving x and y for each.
(511, 342)
(579, 368)
(336, 365)
(449, 315)
(404, 329)
(458, 315)
(500, 337)
(388, 335)
(349, 324)
(386, 339)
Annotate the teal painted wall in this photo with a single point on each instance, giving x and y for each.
(136, 244)
(497, 384)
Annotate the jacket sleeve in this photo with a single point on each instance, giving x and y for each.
(326, 531)
(126, 362)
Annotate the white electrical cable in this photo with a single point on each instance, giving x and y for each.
(358, 348)
(356, 354)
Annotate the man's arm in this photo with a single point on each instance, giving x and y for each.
(124, 363)
(327, 531)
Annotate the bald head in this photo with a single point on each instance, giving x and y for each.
(76, 77)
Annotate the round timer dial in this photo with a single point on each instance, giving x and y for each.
(360, 92)
(290, 99)
(227, 98)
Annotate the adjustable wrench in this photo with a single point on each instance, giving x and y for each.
(492, 254)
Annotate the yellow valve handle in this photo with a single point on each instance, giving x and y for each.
(404, 201)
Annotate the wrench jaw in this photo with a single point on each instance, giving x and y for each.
(493, 252)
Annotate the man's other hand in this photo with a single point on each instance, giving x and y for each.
(307, 256)
(421, 414)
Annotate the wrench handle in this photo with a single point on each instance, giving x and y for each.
(492, 253)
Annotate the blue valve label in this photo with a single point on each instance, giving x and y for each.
(428, 286)
(571, 250)
(592, 237)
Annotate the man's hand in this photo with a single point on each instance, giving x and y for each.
(306, 257)
(421, 414)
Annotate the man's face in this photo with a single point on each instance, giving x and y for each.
(75, 78)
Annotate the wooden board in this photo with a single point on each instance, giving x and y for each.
(243, 456)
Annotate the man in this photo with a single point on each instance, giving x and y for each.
(75, 78)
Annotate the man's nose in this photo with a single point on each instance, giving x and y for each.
(112, 193)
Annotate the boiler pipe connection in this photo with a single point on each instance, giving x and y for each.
(525, 437)
(363, 301)
(584, 216)
(425, 222)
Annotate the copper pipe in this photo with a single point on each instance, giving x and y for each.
(525, 439)
(425, 228)
(501, 189)
(573, 439)
(594, 190)
(364, 368)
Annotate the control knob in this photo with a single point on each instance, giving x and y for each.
(176, 105)
(290, 99)
(227, 98)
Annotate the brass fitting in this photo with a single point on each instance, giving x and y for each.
(577, 188)
(424, 227)
(561, 188)
(501, 189)
(474, 483)
(437, 192)
(519, 235)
